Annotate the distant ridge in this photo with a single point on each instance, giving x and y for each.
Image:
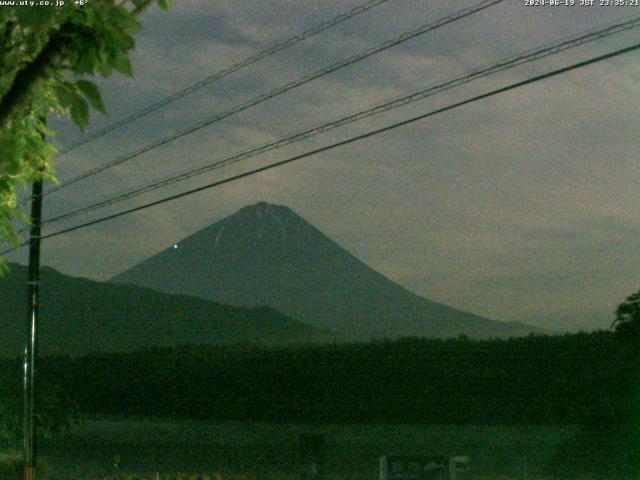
(82, 316)
(266, 254)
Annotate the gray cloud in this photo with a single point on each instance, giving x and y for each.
(521, 207)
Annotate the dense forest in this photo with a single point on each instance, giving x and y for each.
(589, 380)
(534, 380)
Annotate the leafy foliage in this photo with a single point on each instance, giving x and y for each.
(43, 51)
(627, 322)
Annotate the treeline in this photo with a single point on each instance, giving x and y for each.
(567, 379)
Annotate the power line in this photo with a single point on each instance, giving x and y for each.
(215, 77)
(357, 138)
(460, 14)
(289, 42)
(502, 65)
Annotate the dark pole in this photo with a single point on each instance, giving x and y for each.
(30, 350)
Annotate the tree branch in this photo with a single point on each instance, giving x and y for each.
(20, 96)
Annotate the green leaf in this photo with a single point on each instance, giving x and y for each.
(80, 112)
(122, 40)
(163, 4)
(120, 19)
(66, 95)
(91, 19)
(6, 13)
(125, 21)
(86, 62)
(78, 17)
(121, 63)
(104, 68)
(102, 64)
(92, 94)
(36, 18)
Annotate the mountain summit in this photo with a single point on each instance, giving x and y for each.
(266, 254)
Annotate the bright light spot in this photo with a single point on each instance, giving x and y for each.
(175, 246)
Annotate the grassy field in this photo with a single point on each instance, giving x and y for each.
(161, 449)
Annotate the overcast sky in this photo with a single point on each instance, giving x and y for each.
(521, 207)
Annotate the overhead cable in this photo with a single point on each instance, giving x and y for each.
(492, 93)
(282, 45)
(460, 14)
(502, 65)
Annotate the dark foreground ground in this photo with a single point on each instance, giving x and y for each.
(268, 451)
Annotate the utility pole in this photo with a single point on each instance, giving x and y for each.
(30, 349)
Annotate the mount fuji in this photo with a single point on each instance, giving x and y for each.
(266, 254)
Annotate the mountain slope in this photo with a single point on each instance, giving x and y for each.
(267, 254)
(80, 316)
